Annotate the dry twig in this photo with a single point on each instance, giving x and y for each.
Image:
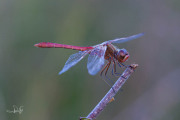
(110, 94)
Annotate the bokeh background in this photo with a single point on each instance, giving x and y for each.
(29, 75)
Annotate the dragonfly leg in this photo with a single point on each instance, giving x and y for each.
(124, 65)
(104, 69)
(107, 67)
(114, 69)
(105, 74)
(118, 64)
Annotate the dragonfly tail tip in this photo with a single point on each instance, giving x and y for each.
(36, 45)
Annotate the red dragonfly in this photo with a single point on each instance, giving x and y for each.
(97, 54)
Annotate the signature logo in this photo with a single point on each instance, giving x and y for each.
(16, 109)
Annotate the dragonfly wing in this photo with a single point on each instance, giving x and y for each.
(73, 60)
(96, 59)
(122, 40)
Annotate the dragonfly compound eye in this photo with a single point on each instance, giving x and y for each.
(122, 55)
(122, 52)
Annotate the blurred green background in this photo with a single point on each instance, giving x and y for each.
(29, 75)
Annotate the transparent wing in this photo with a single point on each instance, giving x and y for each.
(121, 40)
(96, 59)
(73, 60)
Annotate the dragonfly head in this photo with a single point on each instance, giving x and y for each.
(122, 55)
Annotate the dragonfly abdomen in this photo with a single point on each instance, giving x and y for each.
(56, 45)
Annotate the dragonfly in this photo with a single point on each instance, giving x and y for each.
(97, 54)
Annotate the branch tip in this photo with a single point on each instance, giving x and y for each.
(133, 66)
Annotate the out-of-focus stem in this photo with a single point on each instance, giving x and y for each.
(111, 93)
